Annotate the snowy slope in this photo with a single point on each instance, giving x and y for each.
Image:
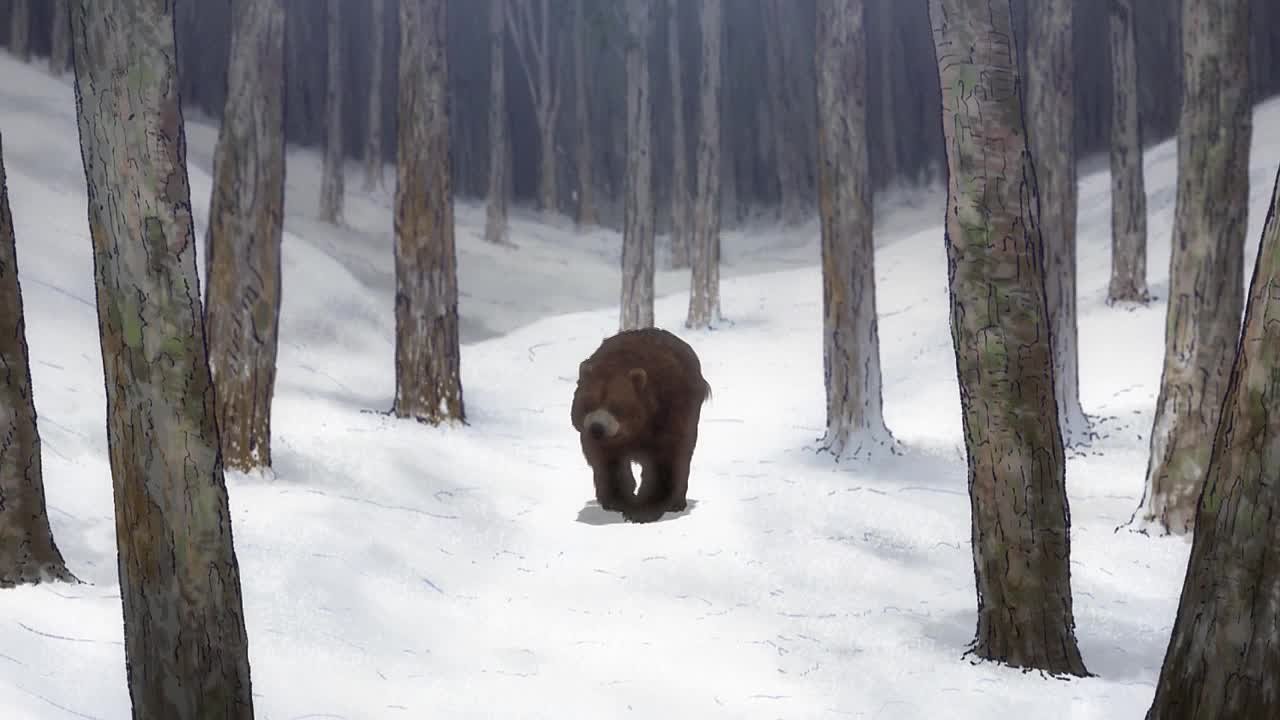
(391, 570)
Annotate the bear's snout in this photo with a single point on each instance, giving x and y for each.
(597, 430)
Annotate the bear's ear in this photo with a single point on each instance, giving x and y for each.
(638, 378)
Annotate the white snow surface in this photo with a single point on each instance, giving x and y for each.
(393, 570)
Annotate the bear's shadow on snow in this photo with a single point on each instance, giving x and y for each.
(592, 514)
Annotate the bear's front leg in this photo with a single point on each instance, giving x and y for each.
(611, 482)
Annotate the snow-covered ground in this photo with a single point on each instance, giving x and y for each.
(391, 570)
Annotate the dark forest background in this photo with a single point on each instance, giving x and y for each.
(905, 136)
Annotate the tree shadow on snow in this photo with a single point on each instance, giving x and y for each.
(592, 514)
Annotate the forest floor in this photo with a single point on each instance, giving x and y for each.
(392, 570)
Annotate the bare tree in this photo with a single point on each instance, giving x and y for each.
(246, 218)
(531, 32)
(1223, 659)
(1051, 132)
(184, 632)
(1128, 190)
(373, 164)
(1206, 276)
(586, 182)
(28, 553)
(999, 322)
(495, 224)
(681, 201)
(638, 210)
(332, 173)
(704, 290)
(60, 39)
(851, 340)
(20, 29)
(428, 365)
(789, 156)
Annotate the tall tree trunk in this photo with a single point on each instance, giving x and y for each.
(638, 208)
(373, 175)
(999, 318)
(184, 631)
(586, 182)
(28, 553)
(60, 39)
(1051, 131)
(20, 29)
(332, 173)
(428, 364)
(681, 201)
(495, 223)
(1223, 659)
(789, 155)
(887, 61)
(851, 340)
(1206, 274)
(531, 32)
(246, 218)
(704, 290)
(1128, 190)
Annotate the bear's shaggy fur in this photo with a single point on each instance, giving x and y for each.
(639, 398)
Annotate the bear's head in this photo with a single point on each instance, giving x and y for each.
(612, 409)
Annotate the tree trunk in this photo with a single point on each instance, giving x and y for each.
(1128, 190)
(1021, 521)
(246, 217)
(887, 59)
(789, 153)
(332, 175)
(1051, 132)
(184, 631)
(495, 223)
(548, 194)
(373, 175)
(428, 365)
(681, 202)
(20, 29)
(1207, 265)
(28, 553)
(60, 39)
(704, 290)
(531, 32)
(586, 183)
(1223, 659)
(638, 209)
(851, 341)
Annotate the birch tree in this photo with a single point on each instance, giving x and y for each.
(428, 365)
(851, 342)
(530, 24)
(638, 206)
(28, 553)
(1206, 276)
(1128, 189)
(999, 321)
(586, 182)
(1051, 132)
(681, 201)
(1223, 659)
(495, 222)
(373, 175)
(246, 218)
(332, 178)
(184, 631)
(704, 290)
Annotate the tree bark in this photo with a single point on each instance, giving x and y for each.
(531, 32)
(28, 553)
(495, 223)
(638, 208)
(789, 153)
(332, 173)
(373, 163)
(851, 341)
(704, 290)
(586, 182)
(60, 39)
(1128, 189)
(1223, 659)
(1206, 274)
(888, 107)
(20, 29)
(184, 631)
(999, 318)
(428, 364)
(681, 202)
(1051, 132)
(246, 218)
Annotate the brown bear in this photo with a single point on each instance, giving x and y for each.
(639, 398)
